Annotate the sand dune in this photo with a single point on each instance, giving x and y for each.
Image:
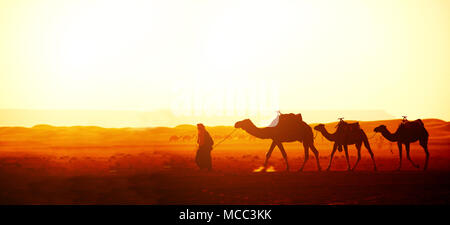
(94, 135)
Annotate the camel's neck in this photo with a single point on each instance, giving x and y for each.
(327, 135)
(388, 135)
(263, 133)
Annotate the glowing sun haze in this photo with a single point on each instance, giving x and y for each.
(391, 55)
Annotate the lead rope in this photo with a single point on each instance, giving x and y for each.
(225, 138)
(375, 133)
(315, 135)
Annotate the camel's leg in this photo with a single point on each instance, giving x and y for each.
(367, 145)
(346, 157)
(399, 155)
(373, 159)
(408, 157)
(358, 147)
(332, 155)
(306, 147)
(424, 144)
(316, 154)
(269, 153)
(283, 152)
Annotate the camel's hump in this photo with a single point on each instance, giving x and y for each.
(290, 120)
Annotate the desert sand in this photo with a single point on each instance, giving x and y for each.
(94, 165)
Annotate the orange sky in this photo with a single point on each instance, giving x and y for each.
(234, 58)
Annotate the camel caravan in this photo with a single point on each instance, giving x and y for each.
(291, 128)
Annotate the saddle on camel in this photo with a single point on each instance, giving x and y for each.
(346, 130)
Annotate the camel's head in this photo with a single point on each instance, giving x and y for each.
(242, 123)
(320, 127)
(380, 128)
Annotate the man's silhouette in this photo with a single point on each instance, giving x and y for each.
(205, 143)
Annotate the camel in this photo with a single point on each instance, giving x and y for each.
(188, 137)
(174, 138)
(407, 132)
(347, 134)
(289, 129)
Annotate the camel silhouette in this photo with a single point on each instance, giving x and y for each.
(174, 138)
(289, 129)
(407, 132)
(187, 137)
(347, 134)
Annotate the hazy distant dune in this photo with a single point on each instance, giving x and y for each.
(117, 118)
(184, 134)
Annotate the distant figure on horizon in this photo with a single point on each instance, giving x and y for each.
(205, 143)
